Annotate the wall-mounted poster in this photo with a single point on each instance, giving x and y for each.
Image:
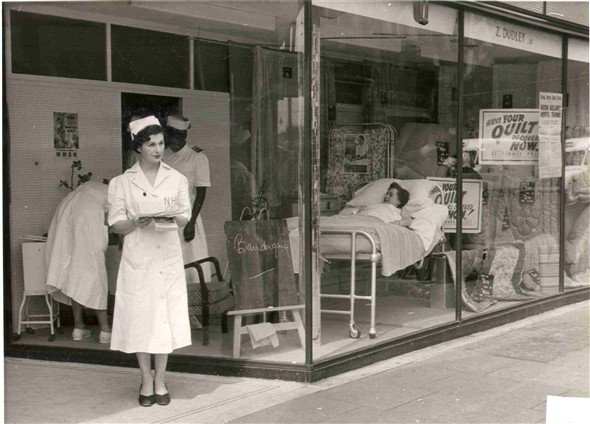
(356, 153)
(65, 134)
(472, 200)
(508, 136)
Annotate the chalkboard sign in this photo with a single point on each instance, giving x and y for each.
(260, 263)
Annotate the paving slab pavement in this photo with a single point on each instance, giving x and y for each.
(502, 375)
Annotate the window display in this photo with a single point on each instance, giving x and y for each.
(309, 123)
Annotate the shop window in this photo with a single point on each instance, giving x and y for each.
(577, 169)
(211, 66)
(388, 110)
(512, 134)
(142, 56)
(57, 47)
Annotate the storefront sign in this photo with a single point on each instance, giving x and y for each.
(511, 35)
(508, 136)
(550, 117)
(65, 134)
(472, 200)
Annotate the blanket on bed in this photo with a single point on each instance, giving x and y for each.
(399, 246)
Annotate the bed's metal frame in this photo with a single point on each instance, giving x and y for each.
(374, 257)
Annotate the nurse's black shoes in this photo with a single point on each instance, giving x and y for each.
(146, 400)
(162, 399)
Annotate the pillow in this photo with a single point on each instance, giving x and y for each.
(427, 221)
(374, 192)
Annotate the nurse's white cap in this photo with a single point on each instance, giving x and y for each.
(140, 124)
(178, 123)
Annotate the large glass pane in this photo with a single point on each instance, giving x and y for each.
(57, 47)
(142, 56)
(577, 168)
(388, 110)
(512, 143)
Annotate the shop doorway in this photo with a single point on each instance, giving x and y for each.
(134, 104)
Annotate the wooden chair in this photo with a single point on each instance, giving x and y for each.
(206, 298)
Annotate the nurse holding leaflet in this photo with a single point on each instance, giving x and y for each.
(151, 308)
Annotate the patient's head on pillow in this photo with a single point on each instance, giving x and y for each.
(396, 195)
(420, 193)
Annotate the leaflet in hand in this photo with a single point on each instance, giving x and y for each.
(165, 224)
(163, 214)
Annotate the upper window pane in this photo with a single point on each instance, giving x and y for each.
(149, 57)
(57, 47)
(211, 66)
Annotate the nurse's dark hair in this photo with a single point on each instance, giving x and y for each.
(145, 134)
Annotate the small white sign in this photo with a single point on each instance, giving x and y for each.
(472, 199)
(550, 118)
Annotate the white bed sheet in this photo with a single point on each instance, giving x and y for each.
(399, 246)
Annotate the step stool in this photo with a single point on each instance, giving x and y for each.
(35, 274)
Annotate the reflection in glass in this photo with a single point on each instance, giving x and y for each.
(511, 73)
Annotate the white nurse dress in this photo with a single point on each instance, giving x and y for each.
(151, 308)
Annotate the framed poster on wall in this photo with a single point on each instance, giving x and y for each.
(472, 202)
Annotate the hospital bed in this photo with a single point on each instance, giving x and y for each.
(348, 236)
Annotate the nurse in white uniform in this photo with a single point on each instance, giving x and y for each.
(194, 165)
(147, 204)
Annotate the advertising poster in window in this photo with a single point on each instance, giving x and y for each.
(65, 134)
(472, 199)
(356, 153)
(509, 136)
(550, 115)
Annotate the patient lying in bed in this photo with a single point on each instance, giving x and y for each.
(389, 211)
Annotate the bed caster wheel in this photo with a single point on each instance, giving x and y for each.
(15, 337)
(354, 332)
(51, 338)
(30, 330)
(372, 335)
